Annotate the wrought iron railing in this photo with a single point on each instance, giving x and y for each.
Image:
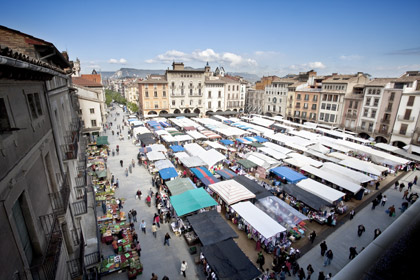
(60, 199)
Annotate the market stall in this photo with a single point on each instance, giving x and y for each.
(168, 173)
(287, 174)
(191, 201)
(230, 191)
(252, 186)
(326, 193)
(313, 201)
(226, 173)
(179, 185)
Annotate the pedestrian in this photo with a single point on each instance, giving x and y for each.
(377, 185)
(328, 257)
(134, 235)
(261, 260)
(168, 217)
(312, 236)
(112, 179)
(410, 185)
(374, 203)
(154, 277)
(329, 276)
(309, 271)
(301, 274)
(376, 233)
(126, 172)
(130, 216)
(138, 248)
(113, 152)
(117, 183)
(324, 247)
(391, 210)
(134, 213)
(130, 168)
(138, 194)
(384, 199)
(282, 274)
(121, 162)
(166, 240)
(154, 229)
(360, 229)
(184, 268)
(415, 180)
(353, 253)
(119, 202)
(165, 278)
(156, 219)
(406, 192)
(352, 213)
(143, 226)
(402, 186)
(321, 275)
(396, 184)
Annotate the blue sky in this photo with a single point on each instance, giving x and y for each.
(261, 37)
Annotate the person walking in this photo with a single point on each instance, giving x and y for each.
(166, 240)
(130, 168)
(410, 185)
(396, 185)
(402, 186)
(184, 268)
(154, 277)
(112, 179)
(312, 236)
(138, 248)
(321, 275)
(383, 201)
(121, 163)
(353, 253)
(391, 210)
(352, 213)
(324, 247)
(117, 183)
(154, 229)
(134, 213)
(135, 236)
(261, 260)
(133, 163)
(360, 230)
(415, 180)
(374, 203)
(309, 271)
(376, 233)
(156, 219)
(143, 226)
(130, 216)
(328, 257)
(126, 172)
(406, 192)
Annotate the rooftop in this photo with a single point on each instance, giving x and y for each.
(86, 81)
(379, 82)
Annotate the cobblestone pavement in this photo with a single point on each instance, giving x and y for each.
(156, 258)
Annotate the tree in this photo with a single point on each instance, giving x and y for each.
(114, 96)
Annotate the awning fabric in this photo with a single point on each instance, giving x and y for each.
(177, 148)
(146, 138)
(226, 173)
(313, 201)
(228, 261)
(162, 164)
(287, 174)
(180, 185)
(145, 150)
(153, 156)
(168, 173)
(260, 139)
(231, 191)
(347, 173)
(215, 145)
(190, 162)
(192, 200)
(102, 140)
(246, 163)
(211, 228)
(329, 194)
(201, 172)
(259, 220)
(280, 211)
(252, 186)
(209, 180)
(101, 173)
(226, 142)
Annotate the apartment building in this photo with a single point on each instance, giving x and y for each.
(254, 101)
(334, 90)
(214, 95)
(275, 96)
(154, 95)
(43, 183)
(307, 98)
(406, 127)
(232, 94)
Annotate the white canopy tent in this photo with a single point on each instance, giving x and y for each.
(347, 173)
(193, 149)
(157, 148)
(191, 162)
(162, 164)
(262, 160)
(211, 157)
(329, 142)
(154, 156)
(196, 135)
(332, 178)
(277, 148)
(328, 194)
(261, 121)
(257, 219)
(364, 166)
(180, 155)
(140, 130)
(182, 138)
(272, 153)
(306, 160)
(215, 145)
(321, 156)
(231, 191)
(318, 147)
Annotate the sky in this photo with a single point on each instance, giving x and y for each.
(262, 37)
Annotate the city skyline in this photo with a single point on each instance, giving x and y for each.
(263, 38)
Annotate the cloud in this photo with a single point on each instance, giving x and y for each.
(116, 61)
(305, 66)
(350, 57)
(203, 56)
(411, 51)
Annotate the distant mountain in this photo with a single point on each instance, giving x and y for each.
(142, 73)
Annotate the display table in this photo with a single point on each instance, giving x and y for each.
(191, 238)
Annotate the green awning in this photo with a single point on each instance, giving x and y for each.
(102, 140)
(246, 163)
(256, 144)
(174, 133)
(180, 185)
(191, 201)
(101, 173)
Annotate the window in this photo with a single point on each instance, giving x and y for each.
(268, 107)
(334, 107)
(321, 116)
(237, 87)
(306, 97)
(182, 102)
(403, 129)
(315, 98)
(154, 86)
(298, 97)
(93, 123)
(324, 97)
(367, 101)
(146, 94)
(303, 114)
(209, 94)
(376, 102)
(199, 91)
(4, 117)
(327, 117)
(363, 125)
(298, 105)
(155, 94)
(199, 101)
(92, 110)
(34, 105)
(173, 102)
(228, 87)
(407, 114)
(323, 106)
(220, 94)
(365, 112)
(373, 114)
(305, 105)
(370, 127)
(335, 98)
(209, 104)
(351, 104)
(329, 97)
(332, 118)
(22, 229)
(164, 93)
(219, 104)
(328, 106)
(191, 102)
(191, 91)
(156, 106)
(392, 96)
(410, 101)
(356, 103)
(274, 108)
(313, 106)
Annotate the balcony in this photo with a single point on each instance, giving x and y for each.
(80, 207)
(45, 267)
(70, 148)
(386, 121)
(402, 133)
(60, 200)
(388, 110)
(177, 95)
(404, 119)
(351, 116)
